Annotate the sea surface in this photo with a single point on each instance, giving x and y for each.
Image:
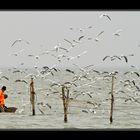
(84, 112)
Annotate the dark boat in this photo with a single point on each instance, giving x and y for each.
(11, 109)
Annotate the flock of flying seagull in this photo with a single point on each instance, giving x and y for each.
(88, 74)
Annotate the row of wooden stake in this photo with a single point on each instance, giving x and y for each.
(65, 98)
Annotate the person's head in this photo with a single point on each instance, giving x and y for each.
(4, 88)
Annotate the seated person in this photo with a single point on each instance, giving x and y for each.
(3, 96)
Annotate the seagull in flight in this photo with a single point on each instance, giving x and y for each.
(100, 33)
(5, 77)
(19, 40)
(105, 15)
(68, 70)
(81, 37)
(132, 73)
(84, 52)
(126, 60)
(21, 81)
(111, 57)
(72, 44)
(117, 33)
(97, 37)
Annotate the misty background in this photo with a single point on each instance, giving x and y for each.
(46, 29)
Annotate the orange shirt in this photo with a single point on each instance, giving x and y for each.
(1, 98)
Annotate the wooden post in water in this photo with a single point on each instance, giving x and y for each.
(112, 100)
(67, 102)
(32, 96)
(64, 104)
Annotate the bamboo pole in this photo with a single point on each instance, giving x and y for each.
(67, 102)
(32, 96)
(64, 104)
(112, 100)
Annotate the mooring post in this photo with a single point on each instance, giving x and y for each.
(32, 96)
(64, 104)
(112, 100)
(67, 102)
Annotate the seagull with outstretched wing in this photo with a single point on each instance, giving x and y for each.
(81, 37)
(106, 57)
(19, 40)
(105, 15)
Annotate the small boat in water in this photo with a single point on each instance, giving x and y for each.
(10, 110)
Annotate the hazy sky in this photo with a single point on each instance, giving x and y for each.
(46, 29)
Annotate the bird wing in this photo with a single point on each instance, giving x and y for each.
(5, 77)
(55, 69)
(89, 95)
(80, 37)
(68, 41)
(116, 34)
(48, 105)
(107, 17)
(117, 57)
(70, 71)
(100, 33)
(17, 80)
(54, 84)
(133, 82)
(137, 74)
(14, 43)
(63, 49)
(105, 57)
(126, 72)
(24, 81)
(126, 60)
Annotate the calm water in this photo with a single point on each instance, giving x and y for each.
(125, 115)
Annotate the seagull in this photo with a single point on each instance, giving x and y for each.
(88, 93)
(132, 73)
(105, 15)
(30, 55)
(21, 81)
(131, 55)
(89, 27)
(112, 57)
(97, 39)
(72, 44)
(5, 77)
(100, 33)
(68, 70)
(117, 33)
(55, 84)
(84, 52)
(48, 105)
(19, 40)
(80, 37)
(17, 71)
(64, 49)
(126, 60)
(76, 41)
(35, 56)
(85, 111)
(40, 110)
